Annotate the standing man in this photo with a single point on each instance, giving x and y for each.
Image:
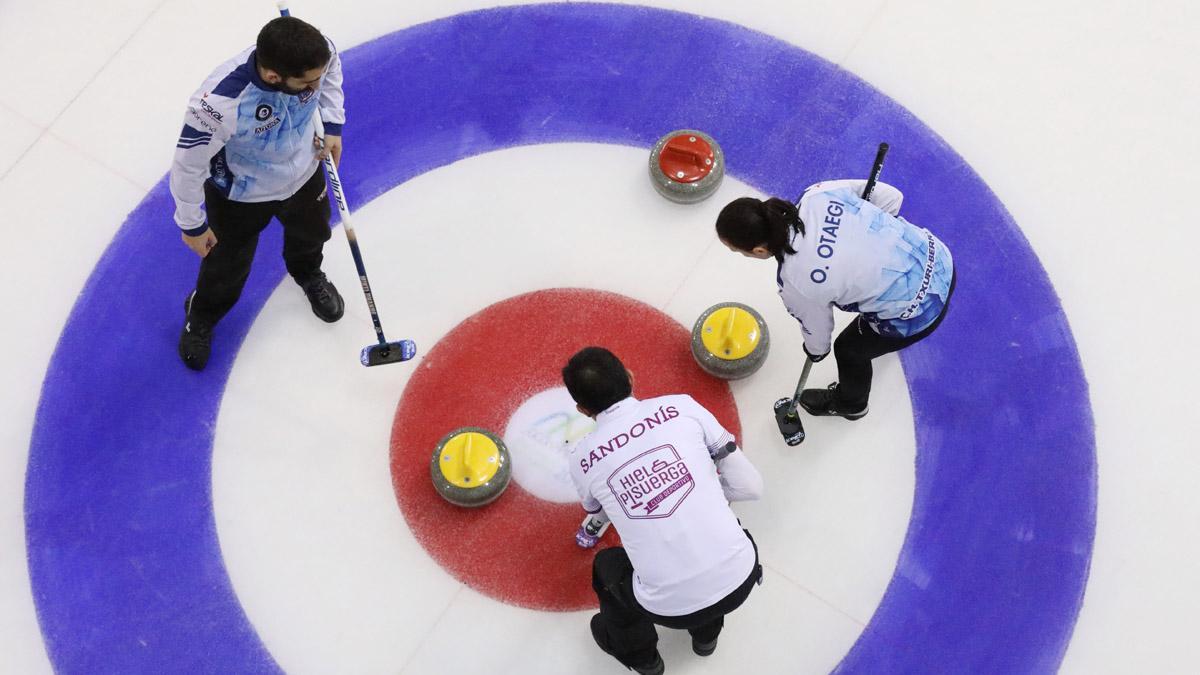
(248, 153)
(663, 470)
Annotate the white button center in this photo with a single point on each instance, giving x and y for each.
(539, 437)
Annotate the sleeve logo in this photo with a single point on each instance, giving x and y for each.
(209, 110)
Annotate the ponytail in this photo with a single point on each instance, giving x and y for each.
(748, 222)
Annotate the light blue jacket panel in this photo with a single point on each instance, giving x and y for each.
(252, 141)
(860, 256)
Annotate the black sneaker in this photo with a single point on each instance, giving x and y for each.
(326, 302)
(195, 342)
(704, 648)
(656, 668)
(824, 402)
(601, 638)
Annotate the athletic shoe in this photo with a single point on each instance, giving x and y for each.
(195, 342)
(601, 638)
(326, 302)
(704, 648)
(824, 402)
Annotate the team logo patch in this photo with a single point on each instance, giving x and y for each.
(653, 484)
(263, 112)
(209, 110)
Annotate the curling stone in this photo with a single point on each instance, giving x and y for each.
(730, 341)
(470, 467)
(686, 166)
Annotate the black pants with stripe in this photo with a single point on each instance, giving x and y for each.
(223, 272)
(629, 627)
(858, 344)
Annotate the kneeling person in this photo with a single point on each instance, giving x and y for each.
(652, 468)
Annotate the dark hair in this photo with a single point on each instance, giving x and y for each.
(291, 47)
(596, 379)
(749, 222)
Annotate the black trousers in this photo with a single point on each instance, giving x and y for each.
(223, 272)
(629, 628)
(858, 344)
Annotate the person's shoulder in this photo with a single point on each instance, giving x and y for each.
(818, 195)
(814, 199)
(229, 80)
(666, 398)
(678, 403)
(817, 189)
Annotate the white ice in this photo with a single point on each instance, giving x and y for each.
(1080, 116)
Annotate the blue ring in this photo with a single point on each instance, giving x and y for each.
(123, 553)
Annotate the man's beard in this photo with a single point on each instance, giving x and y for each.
(289, 91)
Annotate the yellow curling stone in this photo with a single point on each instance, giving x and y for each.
(470, 467)
(730, 341)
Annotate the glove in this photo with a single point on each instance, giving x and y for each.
(811, 357)
(723, 452)
(585, 540)
(590, 531)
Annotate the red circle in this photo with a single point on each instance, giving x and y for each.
(521, 549)
(686, 158)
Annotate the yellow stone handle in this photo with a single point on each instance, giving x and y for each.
(467, 449)
(727, 338)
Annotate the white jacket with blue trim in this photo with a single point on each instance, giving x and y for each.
(859, 256)
(252, 141)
